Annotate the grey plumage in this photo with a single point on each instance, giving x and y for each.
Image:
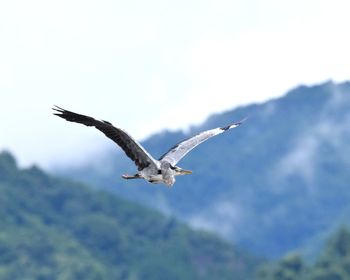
(176, 153)
(163, 170)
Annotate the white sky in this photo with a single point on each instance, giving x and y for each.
(150, 65)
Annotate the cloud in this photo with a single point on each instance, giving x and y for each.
(330, 129)
(155, 65)
(224, 217)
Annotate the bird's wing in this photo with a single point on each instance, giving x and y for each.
(130, 146)
(176, 153)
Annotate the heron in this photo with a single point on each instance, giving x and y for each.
(164, 170)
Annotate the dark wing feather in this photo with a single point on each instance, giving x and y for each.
(176, 153)
(131, 147)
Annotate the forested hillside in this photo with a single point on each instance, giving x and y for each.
(51, 228)
(283, 176)
(332, 264)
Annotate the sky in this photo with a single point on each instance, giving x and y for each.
(152, 65)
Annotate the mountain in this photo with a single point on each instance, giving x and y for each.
(332, 263)
(51, 228)
(277, 183)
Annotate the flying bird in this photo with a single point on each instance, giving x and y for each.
(154, 171)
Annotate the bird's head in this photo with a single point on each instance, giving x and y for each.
(180, 171)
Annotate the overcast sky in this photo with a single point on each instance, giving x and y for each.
(150, 65)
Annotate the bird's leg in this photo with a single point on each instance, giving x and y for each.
(136, 176)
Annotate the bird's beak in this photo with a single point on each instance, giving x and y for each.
(185, 172)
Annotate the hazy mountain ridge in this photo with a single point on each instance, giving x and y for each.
(332, 263)
(272, 185)
(51, 228)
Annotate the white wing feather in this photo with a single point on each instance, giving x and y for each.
(176, 153)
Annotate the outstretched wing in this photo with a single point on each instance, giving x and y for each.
(176, 153)
(130, 146)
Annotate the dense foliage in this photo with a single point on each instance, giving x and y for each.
(51, 228)
(283, 176)
(332, 264)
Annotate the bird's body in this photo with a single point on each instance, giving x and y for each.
(154, 171)
(164, 173)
